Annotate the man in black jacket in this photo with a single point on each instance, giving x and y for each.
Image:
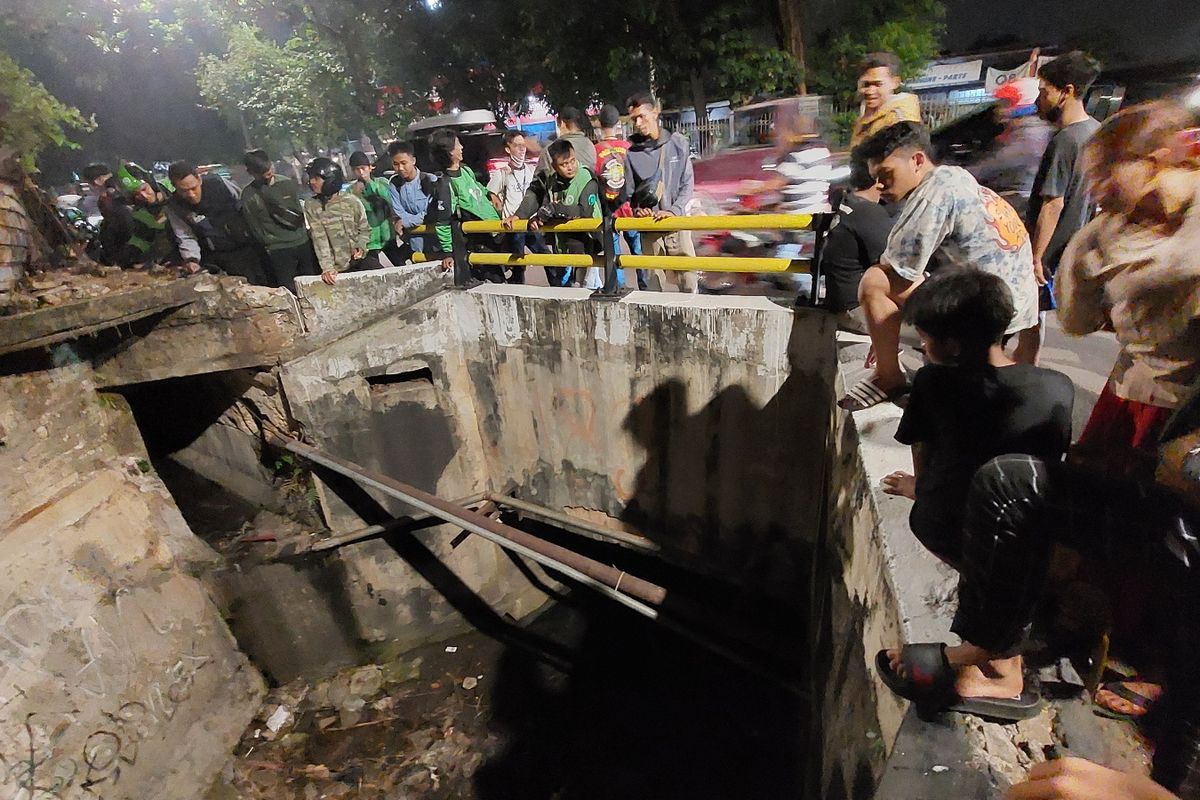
(206, 218)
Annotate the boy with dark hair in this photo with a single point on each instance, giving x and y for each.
(947, 219)
(375, 194)
(1060, 204)
(574, 127)
(206, 219)
(661, 184)
(458, 194)
(882, 106)
(569, 192)
(409, 194)
(970, 404)
(271, 206)
(855, 242)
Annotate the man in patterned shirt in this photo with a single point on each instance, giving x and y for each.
(947, 220)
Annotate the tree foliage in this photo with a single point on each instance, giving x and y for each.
(31, 118)
(292, 96)
(912, 29)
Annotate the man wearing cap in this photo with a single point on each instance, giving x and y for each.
(375, 194)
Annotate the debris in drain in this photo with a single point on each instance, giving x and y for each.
(277, 720)
(451, 649)
(470, 682)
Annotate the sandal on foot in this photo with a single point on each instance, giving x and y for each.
(929, 683)
(867, 394)
(1141, 695)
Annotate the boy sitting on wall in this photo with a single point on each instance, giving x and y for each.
(970, 404)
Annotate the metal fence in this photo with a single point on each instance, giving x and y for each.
(612, 261)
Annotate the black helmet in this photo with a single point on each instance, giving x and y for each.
(330, 171)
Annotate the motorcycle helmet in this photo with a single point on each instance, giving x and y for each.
(328, 170)
(130, 176)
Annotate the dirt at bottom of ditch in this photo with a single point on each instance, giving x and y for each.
(586, 701)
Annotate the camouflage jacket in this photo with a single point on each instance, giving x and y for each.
(338, 227)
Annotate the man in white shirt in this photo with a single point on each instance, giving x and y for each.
(506, 188)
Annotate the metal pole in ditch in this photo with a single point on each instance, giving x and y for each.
(632, 541)
(633, 593)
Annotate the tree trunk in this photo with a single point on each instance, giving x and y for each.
(791, 21)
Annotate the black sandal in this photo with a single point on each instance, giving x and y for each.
(929, 683)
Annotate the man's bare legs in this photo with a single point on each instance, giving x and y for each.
(882, 293)
(1030, 341)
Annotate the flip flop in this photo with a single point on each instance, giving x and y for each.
(930, 685)
(867, 394)
(1123, 689)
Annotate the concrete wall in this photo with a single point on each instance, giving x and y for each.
(116, 669)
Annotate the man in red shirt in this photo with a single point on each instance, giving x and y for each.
(611, 151)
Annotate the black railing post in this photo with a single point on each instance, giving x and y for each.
(612, 259)
(462, 262)
(821, 225)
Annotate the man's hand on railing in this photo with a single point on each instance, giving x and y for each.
(535, 222)
(508, 222)
(658, 214)
(447, 263)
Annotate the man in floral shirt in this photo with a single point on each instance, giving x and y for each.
(947, 220)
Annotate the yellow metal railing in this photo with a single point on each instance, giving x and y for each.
(733, 222)
(611, 262)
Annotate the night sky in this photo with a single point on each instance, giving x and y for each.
(1148, 30)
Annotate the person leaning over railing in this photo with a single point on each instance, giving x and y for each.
(569, 191)
(660, 170)
(458, 194)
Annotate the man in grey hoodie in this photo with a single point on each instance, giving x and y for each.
(661, 185)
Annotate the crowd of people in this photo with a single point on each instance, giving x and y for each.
(1098, 221)
(271, 231)
(1109, 238)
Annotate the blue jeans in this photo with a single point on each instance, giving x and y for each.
(634, 240)
(536, 243)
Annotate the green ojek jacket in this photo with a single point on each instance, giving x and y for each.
(377, 200)
(578, 198)
(457, 194)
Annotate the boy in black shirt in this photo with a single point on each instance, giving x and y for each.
(854, 244)
(969, 405)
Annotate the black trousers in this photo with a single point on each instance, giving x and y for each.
(1018, 507)
(246, 262)
(285, 264)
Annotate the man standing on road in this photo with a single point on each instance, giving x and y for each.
(507, 186)
(574, 127)
(948, 220)
(612, 152)
(271, 205)
(206, 218)
(882, 106)
(1060, 204)
(661, 184)
(409, 193)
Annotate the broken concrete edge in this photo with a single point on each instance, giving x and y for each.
(358, 299)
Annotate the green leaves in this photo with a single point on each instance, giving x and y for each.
(30, 117)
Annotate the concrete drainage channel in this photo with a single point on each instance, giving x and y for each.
(680, 456)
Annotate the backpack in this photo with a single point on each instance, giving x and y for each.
(610, 172)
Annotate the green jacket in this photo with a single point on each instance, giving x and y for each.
(553, 199)
(377, 199)
(339, 226)
(273, 213)
(457, 194)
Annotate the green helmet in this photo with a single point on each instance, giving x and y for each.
(130, 177)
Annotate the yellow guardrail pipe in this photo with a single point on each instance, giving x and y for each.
(731, 222)
(535, 260)
(713, 263)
